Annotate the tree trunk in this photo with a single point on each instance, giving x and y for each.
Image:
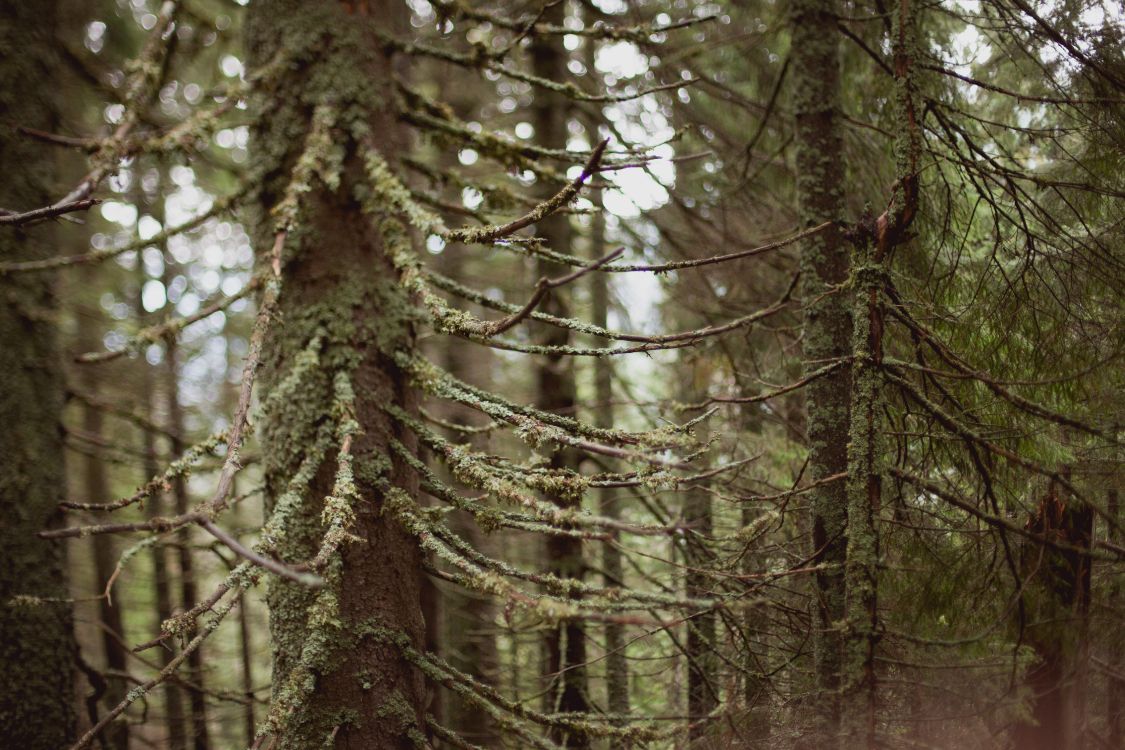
(200, 736)
(37, 648)
(470, 625)
(161, 574)
(1057, 601)
(616, 665)
(1115, 689)
(565, 645)
(702, 689)
(337, 678)
(827, 329)
(96, 486)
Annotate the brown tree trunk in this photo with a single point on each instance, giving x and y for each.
(827, 330)
(702, 689)
(96, 490)
(37, 648)
(469, 632)
(162, 575)
(337, 677)
(565, 645)
(189, 590)
(1057, 602)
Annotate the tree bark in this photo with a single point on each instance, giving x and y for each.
(96, 487)
(1057, 601)
(827, 329)
(337, 677)
(565, 645)
(37, 648)
(702, 687)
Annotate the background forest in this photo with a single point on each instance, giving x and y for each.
(562, 374)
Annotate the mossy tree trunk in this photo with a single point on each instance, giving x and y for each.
(337, 679)
(37, 647)
(702, 682)
(565, 644)
(827, 329)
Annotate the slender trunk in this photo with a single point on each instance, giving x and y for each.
(96, 486)
(37, 649)
(338, 678)
(471, 621)
(864, 490)
(1057, 600)
(189, 596)
(616, 664)
(1115, 690)
(565, 645)
(756, 686)
(827, 331)
(162, 575)
(702, 687)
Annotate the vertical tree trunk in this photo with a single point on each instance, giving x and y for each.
(338, 680)
(565, 646)
(702, 687)
(827, 329)
(96, 487)
(37, 648)
(162, 575)
(189, 591)
(1057, 600)
(1115, 689)
(616, 665)
(864, 490)
(469, 630)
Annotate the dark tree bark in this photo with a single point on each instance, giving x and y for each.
(96, 490)
(161, 573)
(189, 591)
(37, 646)
(469, 637)
(828, 326)
(1057, 602)
(702, 687)
(565, 646)
(337, 678)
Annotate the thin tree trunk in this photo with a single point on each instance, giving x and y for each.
(864, 490)
(162, 575)
(37, 648)
(1115, 689)
(616, 664)
(827, 330)
(470, 626)
(702, 687)
(96, 490)
(338, 679)
(565, 645)
(189, 590)
(1057, 601)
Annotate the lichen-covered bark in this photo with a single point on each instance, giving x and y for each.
(36, 642)
(565, 646)
(827, 328)
(337, 678)
(702, 682)
(864, 490)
